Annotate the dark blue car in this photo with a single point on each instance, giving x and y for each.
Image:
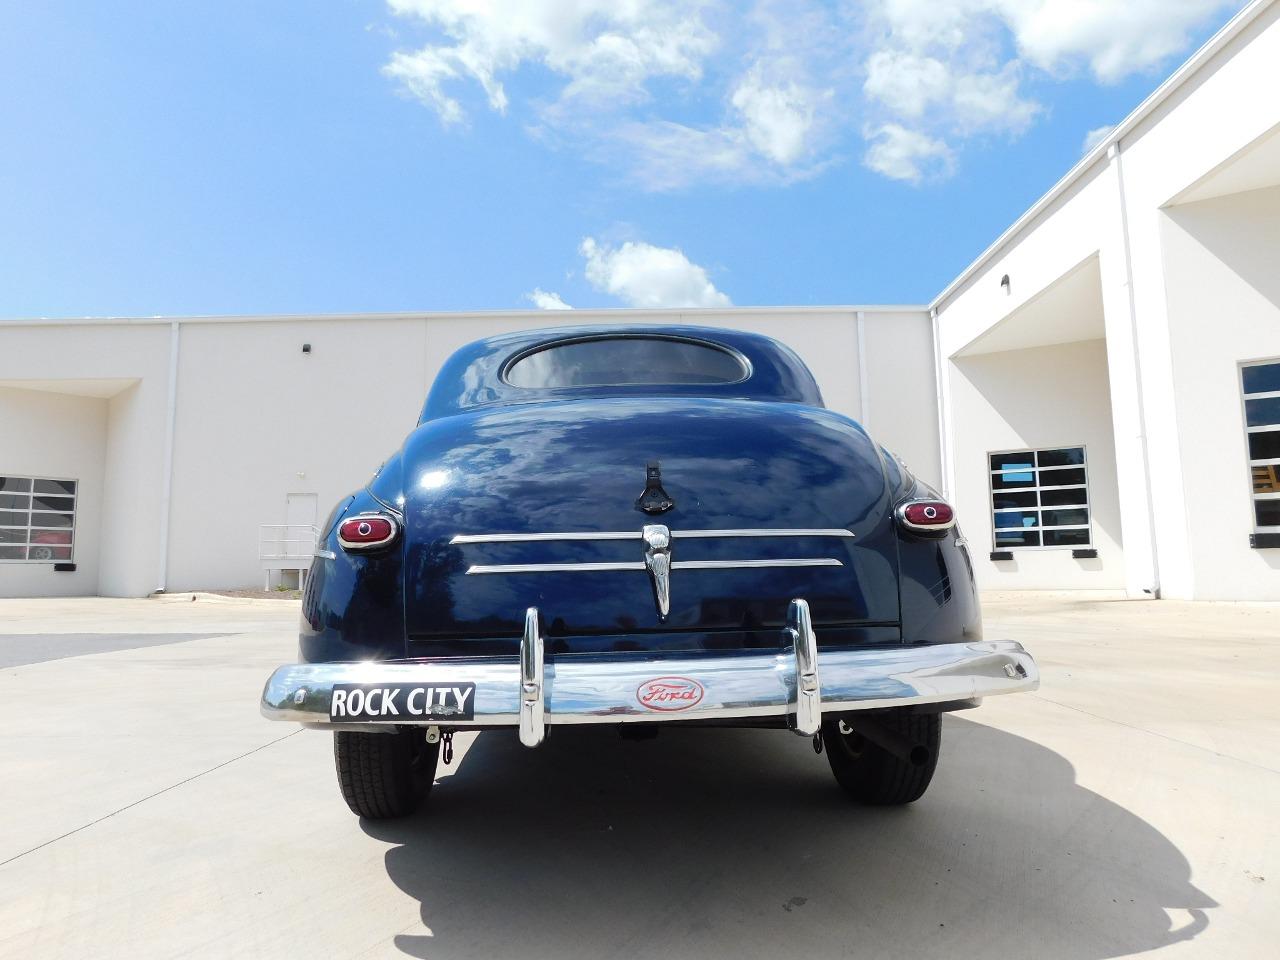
(644, 527)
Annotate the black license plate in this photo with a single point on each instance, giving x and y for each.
(399, 703)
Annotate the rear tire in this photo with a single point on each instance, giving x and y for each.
(384, 775)
(871, 774)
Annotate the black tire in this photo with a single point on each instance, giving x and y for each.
(871, 774)
(385, 775)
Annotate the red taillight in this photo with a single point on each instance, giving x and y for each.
(926, 516)
(363, 533)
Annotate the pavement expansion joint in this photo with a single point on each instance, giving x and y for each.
(150, 796)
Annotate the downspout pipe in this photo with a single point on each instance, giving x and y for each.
(944, 446)
(864, 388)
(1113, 154)
(166, 479)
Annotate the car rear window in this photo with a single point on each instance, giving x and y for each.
(626, 361)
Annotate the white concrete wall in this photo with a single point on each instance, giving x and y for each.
(901, 391)
(1027, 399)
(130, 353)
(1083, 223)
(1222, 262)
(257, 419)
(45, 434)
(1115, 208)
(1068, 233)
(1226, 106)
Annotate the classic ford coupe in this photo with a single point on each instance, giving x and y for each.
(646, 527)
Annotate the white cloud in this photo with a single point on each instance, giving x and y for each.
(778, 118)
(1114, 39)
(642, 275)
(903, 154)
(942, 71)
(906, 83)
(664, 155)
(423, 75)
(921, 24)
(991, 101)
(772, 133)
(912, 86)
(546, 300)
(606, 51)
(1095, 137)
(676, 93)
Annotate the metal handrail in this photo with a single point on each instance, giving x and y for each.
(276, 541)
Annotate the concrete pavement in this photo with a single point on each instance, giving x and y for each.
(1129, 806)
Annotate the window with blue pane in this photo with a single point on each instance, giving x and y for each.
(1260, 385)
(1040, 498)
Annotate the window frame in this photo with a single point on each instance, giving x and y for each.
(30, 527)
(1249, 462)
(1034, 453)
(744, 363)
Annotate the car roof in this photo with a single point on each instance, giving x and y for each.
(474, 375)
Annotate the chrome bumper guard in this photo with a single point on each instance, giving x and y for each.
(530, 694)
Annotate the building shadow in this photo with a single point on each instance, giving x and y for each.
(738, 843)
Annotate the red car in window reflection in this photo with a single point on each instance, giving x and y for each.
(50, 545)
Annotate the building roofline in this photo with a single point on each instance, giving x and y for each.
(555, 317)
(1229, 31)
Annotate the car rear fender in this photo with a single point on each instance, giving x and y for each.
(353, 606)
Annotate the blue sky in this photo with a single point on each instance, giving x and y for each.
(251, 157)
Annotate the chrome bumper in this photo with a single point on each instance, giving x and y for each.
(798, 684)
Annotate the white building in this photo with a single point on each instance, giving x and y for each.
(1119, 345)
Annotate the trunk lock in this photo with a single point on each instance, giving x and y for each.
(654, 500)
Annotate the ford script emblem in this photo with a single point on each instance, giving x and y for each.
(669, 693)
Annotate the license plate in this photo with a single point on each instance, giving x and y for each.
(391, 703)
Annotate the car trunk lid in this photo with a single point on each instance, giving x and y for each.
(540, 505)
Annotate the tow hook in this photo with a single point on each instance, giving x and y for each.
(446, 748)
(817, 742)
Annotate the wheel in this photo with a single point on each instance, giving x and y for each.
(871, 774)
(384, 775)
(41, 553)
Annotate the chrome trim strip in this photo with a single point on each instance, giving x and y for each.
(538, 537)
(643, 565)
(733, 564)
(553, 567)
(764, 532)
(464, 538)
(532, 704)
(324, 555)
(804, 645)
(755, 684)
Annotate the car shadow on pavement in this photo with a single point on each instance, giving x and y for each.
(738, 843)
